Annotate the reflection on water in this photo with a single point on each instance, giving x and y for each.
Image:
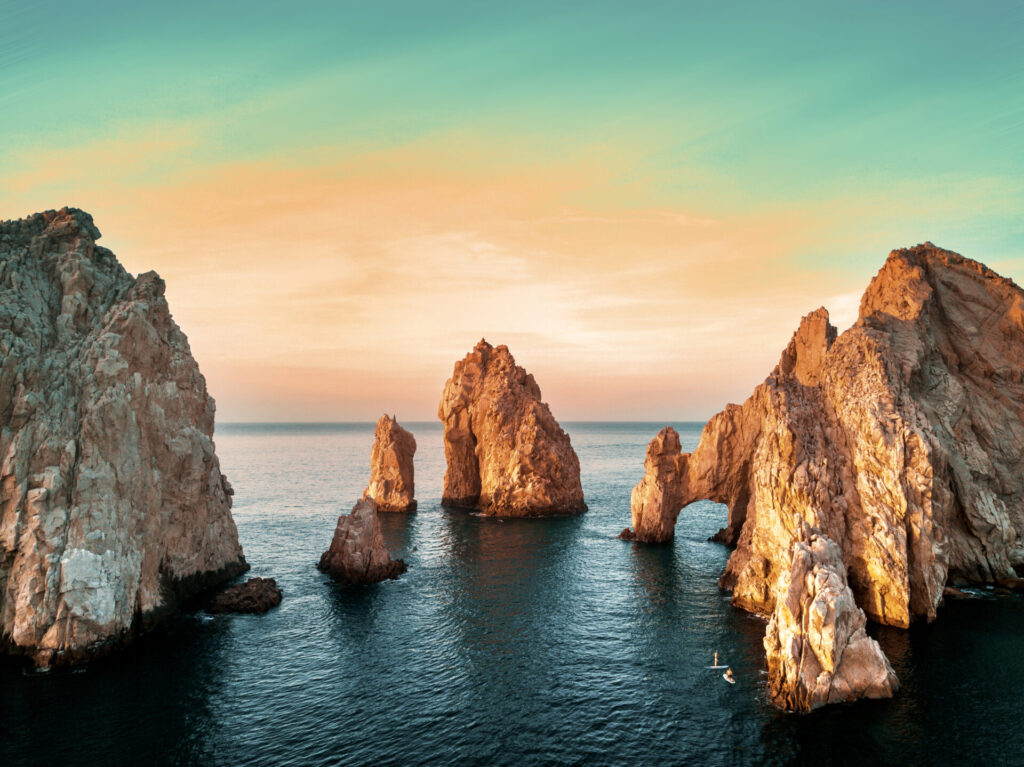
(506, 642)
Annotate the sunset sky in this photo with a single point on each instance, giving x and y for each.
(640, 199)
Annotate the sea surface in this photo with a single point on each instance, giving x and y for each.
(508, 642)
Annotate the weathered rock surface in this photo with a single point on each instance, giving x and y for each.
(902, 440)
(391, 467)
(506, 453)
(357, 554)
(112, 504)
(256, 595)
(817, 649)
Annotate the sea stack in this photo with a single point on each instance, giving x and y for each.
(900, 440)
(507, 456)
(816, 645)
(112, 504)
(357, 555)
(391, 467)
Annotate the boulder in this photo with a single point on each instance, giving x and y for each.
(506, 453)
(391, 467)
(257, 595)
(357, 555)
(113, 507)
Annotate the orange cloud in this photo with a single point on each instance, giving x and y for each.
(347, 288)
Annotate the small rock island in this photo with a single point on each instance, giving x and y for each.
(113, 507)
(357, 555)
(507, 456)
(392, 485)
(884, 463)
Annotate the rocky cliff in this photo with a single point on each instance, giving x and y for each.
(506, 453)
(112, 504)
(357, 555)
(392, 484)
(900, 440)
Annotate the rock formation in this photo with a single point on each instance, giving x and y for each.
(357, 554)
(506, 453)
(901, 440)
(816, 645)
(257, 595)
(112, 504)
(391, 467)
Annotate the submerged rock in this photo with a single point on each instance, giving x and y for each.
(112, 504)
(357, 554)
(901, 440)
(816, 645)
(257, 595)
(506, 453)
(391, 467)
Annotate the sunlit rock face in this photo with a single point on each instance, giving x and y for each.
(506, 453)
(816, 646)
(900, 440)
(392, 484)
(112, 504)
(357, 555)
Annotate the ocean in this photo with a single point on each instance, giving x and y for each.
(507, 642)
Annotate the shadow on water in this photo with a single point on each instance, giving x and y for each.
(145, 706)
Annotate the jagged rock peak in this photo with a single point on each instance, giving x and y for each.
(392, 484)
(357, 555)
(506, 453)
(112, 504)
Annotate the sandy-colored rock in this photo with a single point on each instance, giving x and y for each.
(391, 467)
(506, 453)
(256, 595)
(816, 646)
(112, 504)
(902, 440)
(357, 555)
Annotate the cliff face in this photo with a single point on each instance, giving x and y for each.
(112, 504)
(506, 453)
(357, 555)
(392, 484)
(900, 440)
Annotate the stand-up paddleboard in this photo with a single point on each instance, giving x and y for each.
(716, 667)
(727, 679)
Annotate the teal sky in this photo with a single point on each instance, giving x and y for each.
(875, 125)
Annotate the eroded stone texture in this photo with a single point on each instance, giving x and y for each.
(391, 467)
(357, 555)
(506, 453)
(901, 440)
(817, 649)
(112, 504)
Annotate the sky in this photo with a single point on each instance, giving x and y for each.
(641, 199)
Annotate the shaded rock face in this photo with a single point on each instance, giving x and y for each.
(112, 504)
(357, 555)
(506, 453)
(817, 649)
(391, 467)
(257, 595)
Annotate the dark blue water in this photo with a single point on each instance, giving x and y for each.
(507, 642)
